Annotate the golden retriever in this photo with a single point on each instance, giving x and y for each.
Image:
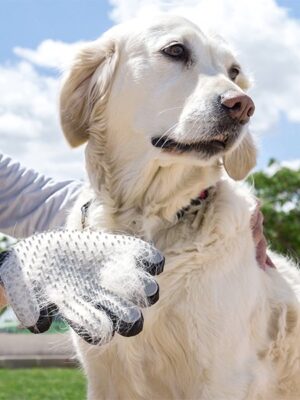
(164, 112)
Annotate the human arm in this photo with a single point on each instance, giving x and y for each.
(31, 202)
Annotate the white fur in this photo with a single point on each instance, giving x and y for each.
(223, 328)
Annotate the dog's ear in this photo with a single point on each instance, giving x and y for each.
(241, 160)
(87, 83)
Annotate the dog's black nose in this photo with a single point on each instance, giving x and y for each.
(239, 106)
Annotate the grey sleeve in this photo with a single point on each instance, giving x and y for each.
(31, 202)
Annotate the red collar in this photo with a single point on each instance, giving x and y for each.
(203, 195)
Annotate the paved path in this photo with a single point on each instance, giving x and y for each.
(27, 350)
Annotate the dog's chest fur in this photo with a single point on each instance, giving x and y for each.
(181, 353)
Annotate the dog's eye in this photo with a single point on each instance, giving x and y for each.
(233, 72)
(177, 51)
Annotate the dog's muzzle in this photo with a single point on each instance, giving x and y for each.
(230, 112)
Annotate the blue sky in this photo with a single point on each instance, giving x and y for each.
(28, 23)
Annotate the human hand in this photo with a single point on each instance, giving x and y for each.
(260, 241)
(95, 281)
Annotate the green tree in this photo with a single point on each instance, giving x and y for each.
(280, 196)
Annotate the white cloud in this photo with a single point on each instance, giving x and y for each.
(267, 39)
(50, 53)
(292, 164)
(29, 126)
(277, 165)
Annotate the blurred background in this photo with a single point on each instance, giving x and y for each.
(38, 39)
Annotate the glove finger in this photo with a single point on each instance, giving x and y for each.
(146, 294)
(152, 261)
(125, 325)
(84, 333)
(144, 254)
(20, 293)
(89, 322)
(137, 286)
(151, 291)
(3, 256)
(126, 317)
(45, 320)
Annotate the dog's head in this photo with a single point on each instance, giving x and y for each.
(162, 91)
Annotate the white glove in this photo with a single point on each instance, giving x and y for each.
(95, 281)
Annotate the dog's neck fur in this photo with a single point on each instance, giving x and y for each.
(154, 192)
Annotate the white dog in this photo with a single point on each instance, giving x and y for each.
(164, 112)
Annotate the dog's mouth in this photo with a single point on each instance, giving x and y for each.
(216, 144)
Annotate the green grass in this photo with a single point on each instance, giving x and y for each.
(42, 384)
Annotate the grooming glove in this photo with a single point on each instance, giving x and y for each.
(96, 282)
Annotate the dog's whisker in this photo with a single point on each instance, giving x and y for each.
(169, 109)
(167, 133)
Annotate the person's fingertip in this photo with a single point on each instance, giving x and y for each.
(154, 264)
(151, 291)
(44, 322)
(128, 330)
